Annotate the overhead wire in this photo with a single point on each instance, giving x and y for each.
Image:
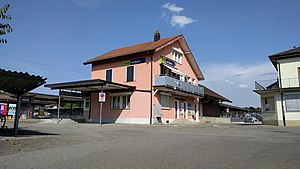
(40, 63)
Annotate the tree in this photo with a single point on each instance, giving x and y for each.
(4, 27)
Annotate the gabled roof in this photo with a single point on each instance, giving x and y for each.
(151, 46)
(147, 46)
(290, 53)
(210, 93)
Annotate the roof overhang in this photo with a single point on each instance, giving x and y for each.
(19, 83)
(291, 53)
(234, 108)
(190, 57)
(290, 89)
(94, 85)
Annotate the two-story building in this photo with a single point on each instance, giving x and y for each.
(146, 83)
(280, 98)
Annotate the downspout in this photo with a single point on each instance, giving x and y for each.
(281, 94)
(151, 85)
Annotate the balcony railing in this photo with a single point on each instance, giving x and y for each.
(274, 84)
(178, 85)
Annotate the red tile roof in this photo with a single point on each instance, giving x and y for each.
(147, 46)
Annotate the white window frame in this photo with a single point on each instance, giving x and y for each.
(177, 55)
(121, 100)
(194, 81)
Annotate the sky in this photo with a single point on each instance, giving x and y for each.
(230, 40)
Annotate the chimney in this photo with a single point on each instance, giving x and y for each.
(156, 35)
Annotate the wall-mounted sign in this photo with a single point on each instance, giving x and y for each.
(134, 61)
(167, 61)
(12, 109)
(3, 109)
(101, 97)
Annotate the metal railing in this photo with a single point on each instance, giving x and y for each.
(274, 83)
(178, 85)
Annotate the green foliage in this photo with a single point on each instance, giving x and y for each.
(68, 105)
(4, 27)
(253, 109)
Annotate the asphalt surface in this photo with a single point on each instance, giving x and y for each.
(110, 146)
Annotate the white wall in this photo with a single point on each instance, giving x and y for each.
(289, 72)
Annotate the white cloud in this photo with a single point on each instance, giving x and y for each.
(236, 81)
(172, 7)
(181, 21)
(173, 16)
(163, 15)
(243, 86)
(229, 82)
(88, 4)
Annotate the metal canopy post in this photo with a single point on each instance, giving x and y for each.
(100, 113)
(58, 106)
(17, 115)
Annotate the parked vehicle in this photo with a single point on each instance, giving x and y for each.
(249, 119)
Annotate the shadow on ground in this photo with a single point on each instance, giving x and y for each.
(250, 124)
(24, 133)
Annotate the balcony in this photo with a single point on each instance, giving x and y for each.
(273, 84)
(178, 85)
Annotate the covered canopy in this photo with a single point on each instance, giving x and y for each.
(19, 83)
(90, 86)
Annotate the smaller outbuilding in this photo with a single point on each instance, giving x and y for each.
(211, 103)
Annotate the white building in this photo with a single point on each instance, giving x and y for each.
(280, 99)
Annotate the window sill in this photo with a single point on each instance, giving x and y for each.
(165, 108)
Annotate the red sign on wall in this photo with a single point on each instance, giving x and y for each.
(3, 109)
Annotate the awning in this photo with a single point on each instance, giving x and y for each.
(95, 85)
(19, 83)
(174, 70)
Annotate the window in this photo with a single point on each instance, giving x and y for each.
(292, 102)
(182, 78)
(109, 75)
(269, 104)
(87, 102)
(177, 56)
(165, 101)
(120, 102)
(130, 74)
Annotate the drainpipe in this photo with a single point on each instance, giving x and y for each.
(281, 94)
(151, 85)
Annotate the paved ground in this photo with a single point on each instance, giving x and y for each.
(143, 146)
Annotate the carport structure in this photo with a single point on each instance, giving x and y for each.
(86, 87)
(19, 83)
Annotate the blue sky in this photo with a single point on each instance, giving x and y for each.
(229, 39)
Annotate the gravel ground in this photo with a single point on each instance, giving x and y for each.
(144, 146)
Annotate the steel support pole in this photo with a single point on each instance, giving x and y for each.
(100, 113)
(16, 123)
(58, 106)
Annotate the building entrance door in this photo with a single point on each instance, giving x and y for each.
(196, 113)
(177, 109)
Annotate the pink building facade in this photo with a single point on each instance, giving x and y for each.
(165, 76)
